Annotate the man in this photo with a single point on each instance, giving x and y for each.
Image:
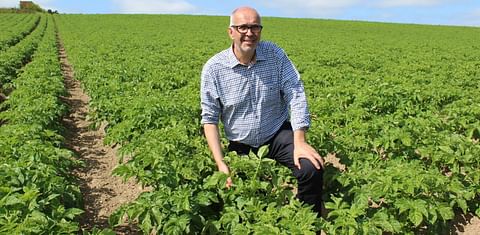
(251, 87)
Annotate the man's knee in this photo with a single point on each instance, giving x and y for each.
(308, 173)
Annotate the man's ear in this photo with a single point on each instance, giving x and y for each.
(230, 32)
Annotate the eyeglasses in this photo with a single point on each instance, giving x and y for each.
(254, 28)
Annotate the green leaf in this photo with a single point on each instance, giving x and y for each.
(30, 193)
(446, 149)
(381, 219)
(12, 200)
(146, 224)
(474, 133)
(330, 205)
(415, 217)
(240, 201)
(177, 225)
(462, 204)
(406, 140)
(445, 212)
(205, 198)
(263, 151)
(402, 205)
(158, 216)
(215, 179)
(71, 213)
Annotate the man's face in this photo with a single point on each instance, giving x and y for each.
(246, 30)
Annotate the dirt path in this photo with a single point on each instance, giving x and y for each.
(102, 192)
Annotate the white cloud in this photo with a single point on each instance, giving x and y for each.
(408, 3)
(475, 13)
(315, 8)
(471, 18)
(16, 3)
(10, 3)
(155, 7)
(320, 4)
(45, 4)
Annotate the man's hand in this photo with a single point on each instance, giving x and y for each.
(304, 150)
(301, 149)
(213, 140)
(224, 168)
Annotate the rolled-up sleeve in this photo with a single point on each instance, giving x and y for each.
(209, 99)
(294, 93)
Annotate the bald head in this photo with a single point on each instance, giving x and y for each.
(245, 31)
(244, 14)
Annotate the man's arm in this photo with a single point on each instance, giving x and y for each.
(213, 139)
(294, 94)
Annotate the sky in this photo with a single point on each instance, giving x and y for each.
(432, 12)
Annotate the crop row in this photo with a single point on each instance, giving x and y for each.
(15, 28)
(37, 193)
(13, 58)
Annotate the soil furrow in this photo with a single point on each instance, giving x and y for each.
(102, 192)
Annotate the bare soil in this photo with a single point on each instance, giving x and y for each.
(102, 192)
(465, 225)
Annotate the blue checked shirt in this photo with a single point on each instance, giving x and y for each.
(253, 101)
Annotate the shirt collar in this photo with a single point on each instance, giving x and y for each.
(232, 60)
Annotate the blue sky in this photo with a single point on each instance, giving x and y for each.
(436, 12)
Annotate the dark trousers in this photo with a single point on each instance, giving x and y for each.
(310, 179)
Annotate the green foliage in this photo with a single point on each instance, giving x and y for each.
(398, 108)
(254, 204)
(15, 28)
(37, 192)
(14, 57)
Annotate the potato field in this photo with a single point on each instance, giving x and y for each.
(397, 105)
